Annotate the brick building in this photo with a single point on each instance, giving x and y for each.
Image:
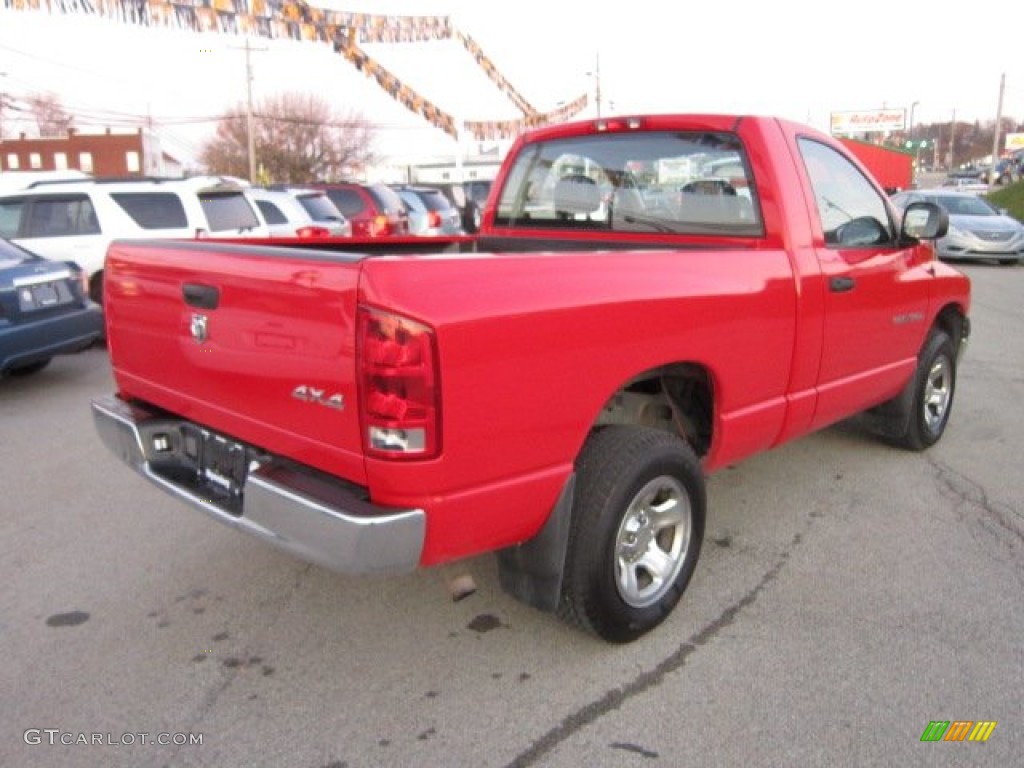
(103, 154)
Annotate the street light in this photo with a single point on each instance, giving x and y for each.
(910, 130)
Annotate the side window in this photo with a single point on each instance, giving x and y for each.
(10, 217)
(851, 211)
(62, 217)
(153, 210)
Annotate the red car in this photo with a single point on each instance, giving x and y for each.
(375, 210)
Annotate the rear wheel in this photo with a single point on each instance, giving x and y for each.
(637, 528)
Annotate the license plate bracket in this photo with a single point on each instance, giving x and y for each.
(223, 465)
(43, 295)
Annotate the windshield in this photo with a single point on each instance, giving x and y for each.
(965, 206)
(675, 182)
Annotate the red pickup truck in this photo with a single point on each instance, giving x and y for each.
(649, 299)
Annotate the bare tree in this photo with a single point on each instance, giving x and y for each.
(51, 118)
(297, 139)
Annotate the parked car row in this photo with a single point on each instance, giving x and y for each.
(55, 231)
(76, 219)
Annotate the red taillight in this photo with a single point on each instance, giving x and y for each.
(433, 220)
(313, 231)
(380, 226)
(399, 391)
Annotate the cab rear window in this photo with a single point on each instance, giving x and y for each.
(678, 182)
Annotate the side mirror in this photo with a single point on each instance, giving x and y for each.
(924, 221)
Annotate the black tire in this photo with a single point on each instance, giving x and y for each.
(640, 501)
(30, 368)
(471, 218)
(96, 288)
(934, 384)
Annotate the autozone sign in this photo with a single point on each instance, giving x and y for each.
(871, 121)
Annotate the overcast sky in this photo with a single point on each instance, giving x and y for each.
(792, 58)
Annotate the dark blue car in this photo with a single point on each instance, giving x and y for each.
(44, 310)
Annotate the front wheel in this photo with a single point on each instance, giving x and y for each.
(637, 528)
(934, 384)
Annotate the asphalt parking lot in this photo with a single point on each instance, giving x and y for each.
(848, 595)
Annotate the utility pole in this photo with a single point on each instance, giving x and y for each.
(248, 112)
(249, 127)
(995, 134)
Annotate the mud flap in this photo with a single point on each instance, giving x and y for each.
(532, 571)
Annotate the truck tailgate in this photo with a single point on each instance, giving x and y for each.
(256, 343)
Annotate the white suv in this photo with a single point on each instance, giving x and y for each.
(305, 213)
(77, 220)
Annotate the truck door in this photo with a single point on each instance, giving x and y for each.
(876, 289)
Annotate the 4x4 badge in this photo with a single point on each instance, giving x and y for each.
(198, 327)
(318, 396)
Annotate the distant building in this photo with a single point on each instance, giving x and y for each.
(484, 169)
(103, 154)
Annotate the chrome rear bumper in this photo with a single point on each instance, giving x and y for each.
(321, 519)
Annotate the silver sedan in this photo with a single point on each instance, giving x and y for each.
(977, 229)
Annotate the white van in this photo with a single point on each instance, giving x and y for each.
(77, 220)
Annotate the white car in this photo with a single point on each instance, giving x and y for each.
(965, 184)
(77, 220)
(291, 212)
(977, 229)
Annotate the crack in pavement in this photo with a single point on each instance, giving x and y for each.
(614, 699)
(973, 494)
(233, 670)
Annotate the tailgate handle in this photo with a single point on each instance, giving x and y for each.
(201, 296)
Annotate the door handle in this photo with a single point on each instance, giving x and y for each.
(201, 296)
(841, 284)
